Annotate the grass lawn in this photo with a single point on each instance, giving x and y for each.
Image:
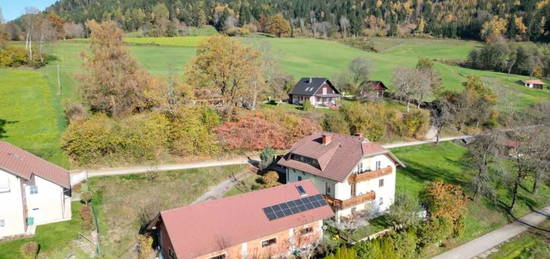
(31, 116)
(52, 238)
(445, 162)
(189, 41)
(126, 202)
(533, 244)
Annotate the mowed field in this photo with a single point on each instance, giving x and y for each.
(164, 56)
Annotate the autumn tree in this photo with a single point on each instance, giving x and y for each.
(115, 83)
(3, 33)
(160, 17)
(226, 68)
(357, 73)
(483, 151)
(493, 28)
(277, 25)
(412, 84)
(445, 200)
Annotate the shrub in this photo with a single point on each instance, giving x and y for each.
(267, 156)
(405, 243)
(434, 231)
(145, 247)
(404, 210)
(15, 56)
(415, 123)
(190, 132)
(270, 179)
(343, 253)
(86, 197)
(445, 200)
(334, 122)
(29, 250)
(307, 106)
(87, 218)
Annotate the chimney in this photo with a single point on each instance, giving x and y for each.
(326, 139)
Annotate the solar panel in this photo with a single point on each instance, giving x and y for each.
(294, 207)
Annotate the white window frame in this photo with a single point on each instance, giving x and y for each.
(33, 189)
(2, 223)
(7, 187)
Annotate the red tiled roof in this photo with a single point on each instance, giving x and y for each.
(337, 158)
(535, 82)
(24, 164)
(198, 229)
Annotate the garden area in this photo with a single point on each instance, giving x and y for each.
(125, 203)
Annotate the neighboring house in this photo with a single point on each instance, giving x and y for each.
(534, 83)
(356, 175)
(273, 222)
(32, 192)
(372, 89)
(319, 91)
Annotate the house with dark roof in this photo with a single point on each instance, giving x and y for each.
(318, 90)
(273, 222)
(32, 192)
(354, 174)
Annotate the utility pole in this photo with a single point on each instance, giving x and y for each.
(58, 81)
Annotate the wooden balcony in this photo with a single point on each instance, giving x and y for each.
(357, 178)
(344, 204)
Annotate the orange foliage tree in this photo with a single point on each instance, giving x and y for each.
(445, 200)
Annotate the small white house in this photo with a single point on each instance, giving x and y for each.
(318, 91)
(32, 192)
(353, 173)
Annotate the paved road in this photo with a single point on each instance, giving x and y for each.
(144, 169)
(496, 237)
(235, 161)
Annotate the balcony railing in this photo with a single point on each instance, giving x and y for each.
(344, 204)
(356, 178)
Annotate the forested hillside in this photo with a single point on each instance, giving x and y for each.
(473, 19)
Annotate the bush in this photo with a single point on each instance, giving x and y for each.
(86, 197)
(87, 218)
(334, 122)
(270, 179)
(343, 253)
(307, 106)
(415, 123)
(434, 231)
(15, 56)
(267, 156)
(145, 247)
(29, 250)
(189, 132)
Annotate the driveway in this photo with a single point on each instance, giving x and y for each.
(496, 237)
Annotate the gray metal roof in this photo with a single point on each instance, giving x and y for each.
(309, 85)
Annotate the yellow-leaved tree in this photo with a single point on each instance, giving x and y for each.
(227, 69)
(493, 28)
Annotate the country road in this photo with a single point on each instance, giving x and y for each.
(235, 161)
(492, 239)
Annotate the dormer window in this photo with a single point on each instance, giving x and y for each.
(307, 160)
(301, 190)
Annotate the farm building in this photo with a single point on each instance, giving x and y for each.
(372, 90)
(318, 90)
(538, 84)
(273, 222)
(32, 192)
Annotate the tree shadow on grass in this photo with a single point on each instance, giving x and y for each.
(3, 124)
(422, 173)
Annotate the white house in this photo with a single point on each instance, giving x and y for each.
(318, 91)
(32, 192)
(353, 173)
(538, 84)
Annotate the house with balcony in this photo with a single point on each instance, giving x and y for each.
(32, 192)
(354, 174)
(317, 90)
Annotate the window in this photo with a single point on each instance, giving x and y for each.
(324, 90)
(2, 223)
(377, 165)
(299, 178)
(306, 231)
(269, 242)
(222, 256)
(4, 183)
(34, 189)
(381, 201)
(301, 190)
(327, 188)
(360, 167)
(381, 183)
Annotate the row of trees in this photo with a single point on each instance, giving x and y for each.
(525, 20)
(510, 57)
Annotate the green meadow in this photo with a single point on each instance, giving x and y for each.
(36, 100)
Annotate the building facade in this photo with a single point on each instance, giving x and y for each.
(32, 192)
(271, 223)
(354, 174)
(317, 90)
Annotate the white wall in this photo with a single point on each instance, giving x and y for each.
(49, 204)
(320, 183)
(11, 206)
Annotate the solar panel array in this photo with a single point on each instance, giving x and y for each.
(294, 207)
